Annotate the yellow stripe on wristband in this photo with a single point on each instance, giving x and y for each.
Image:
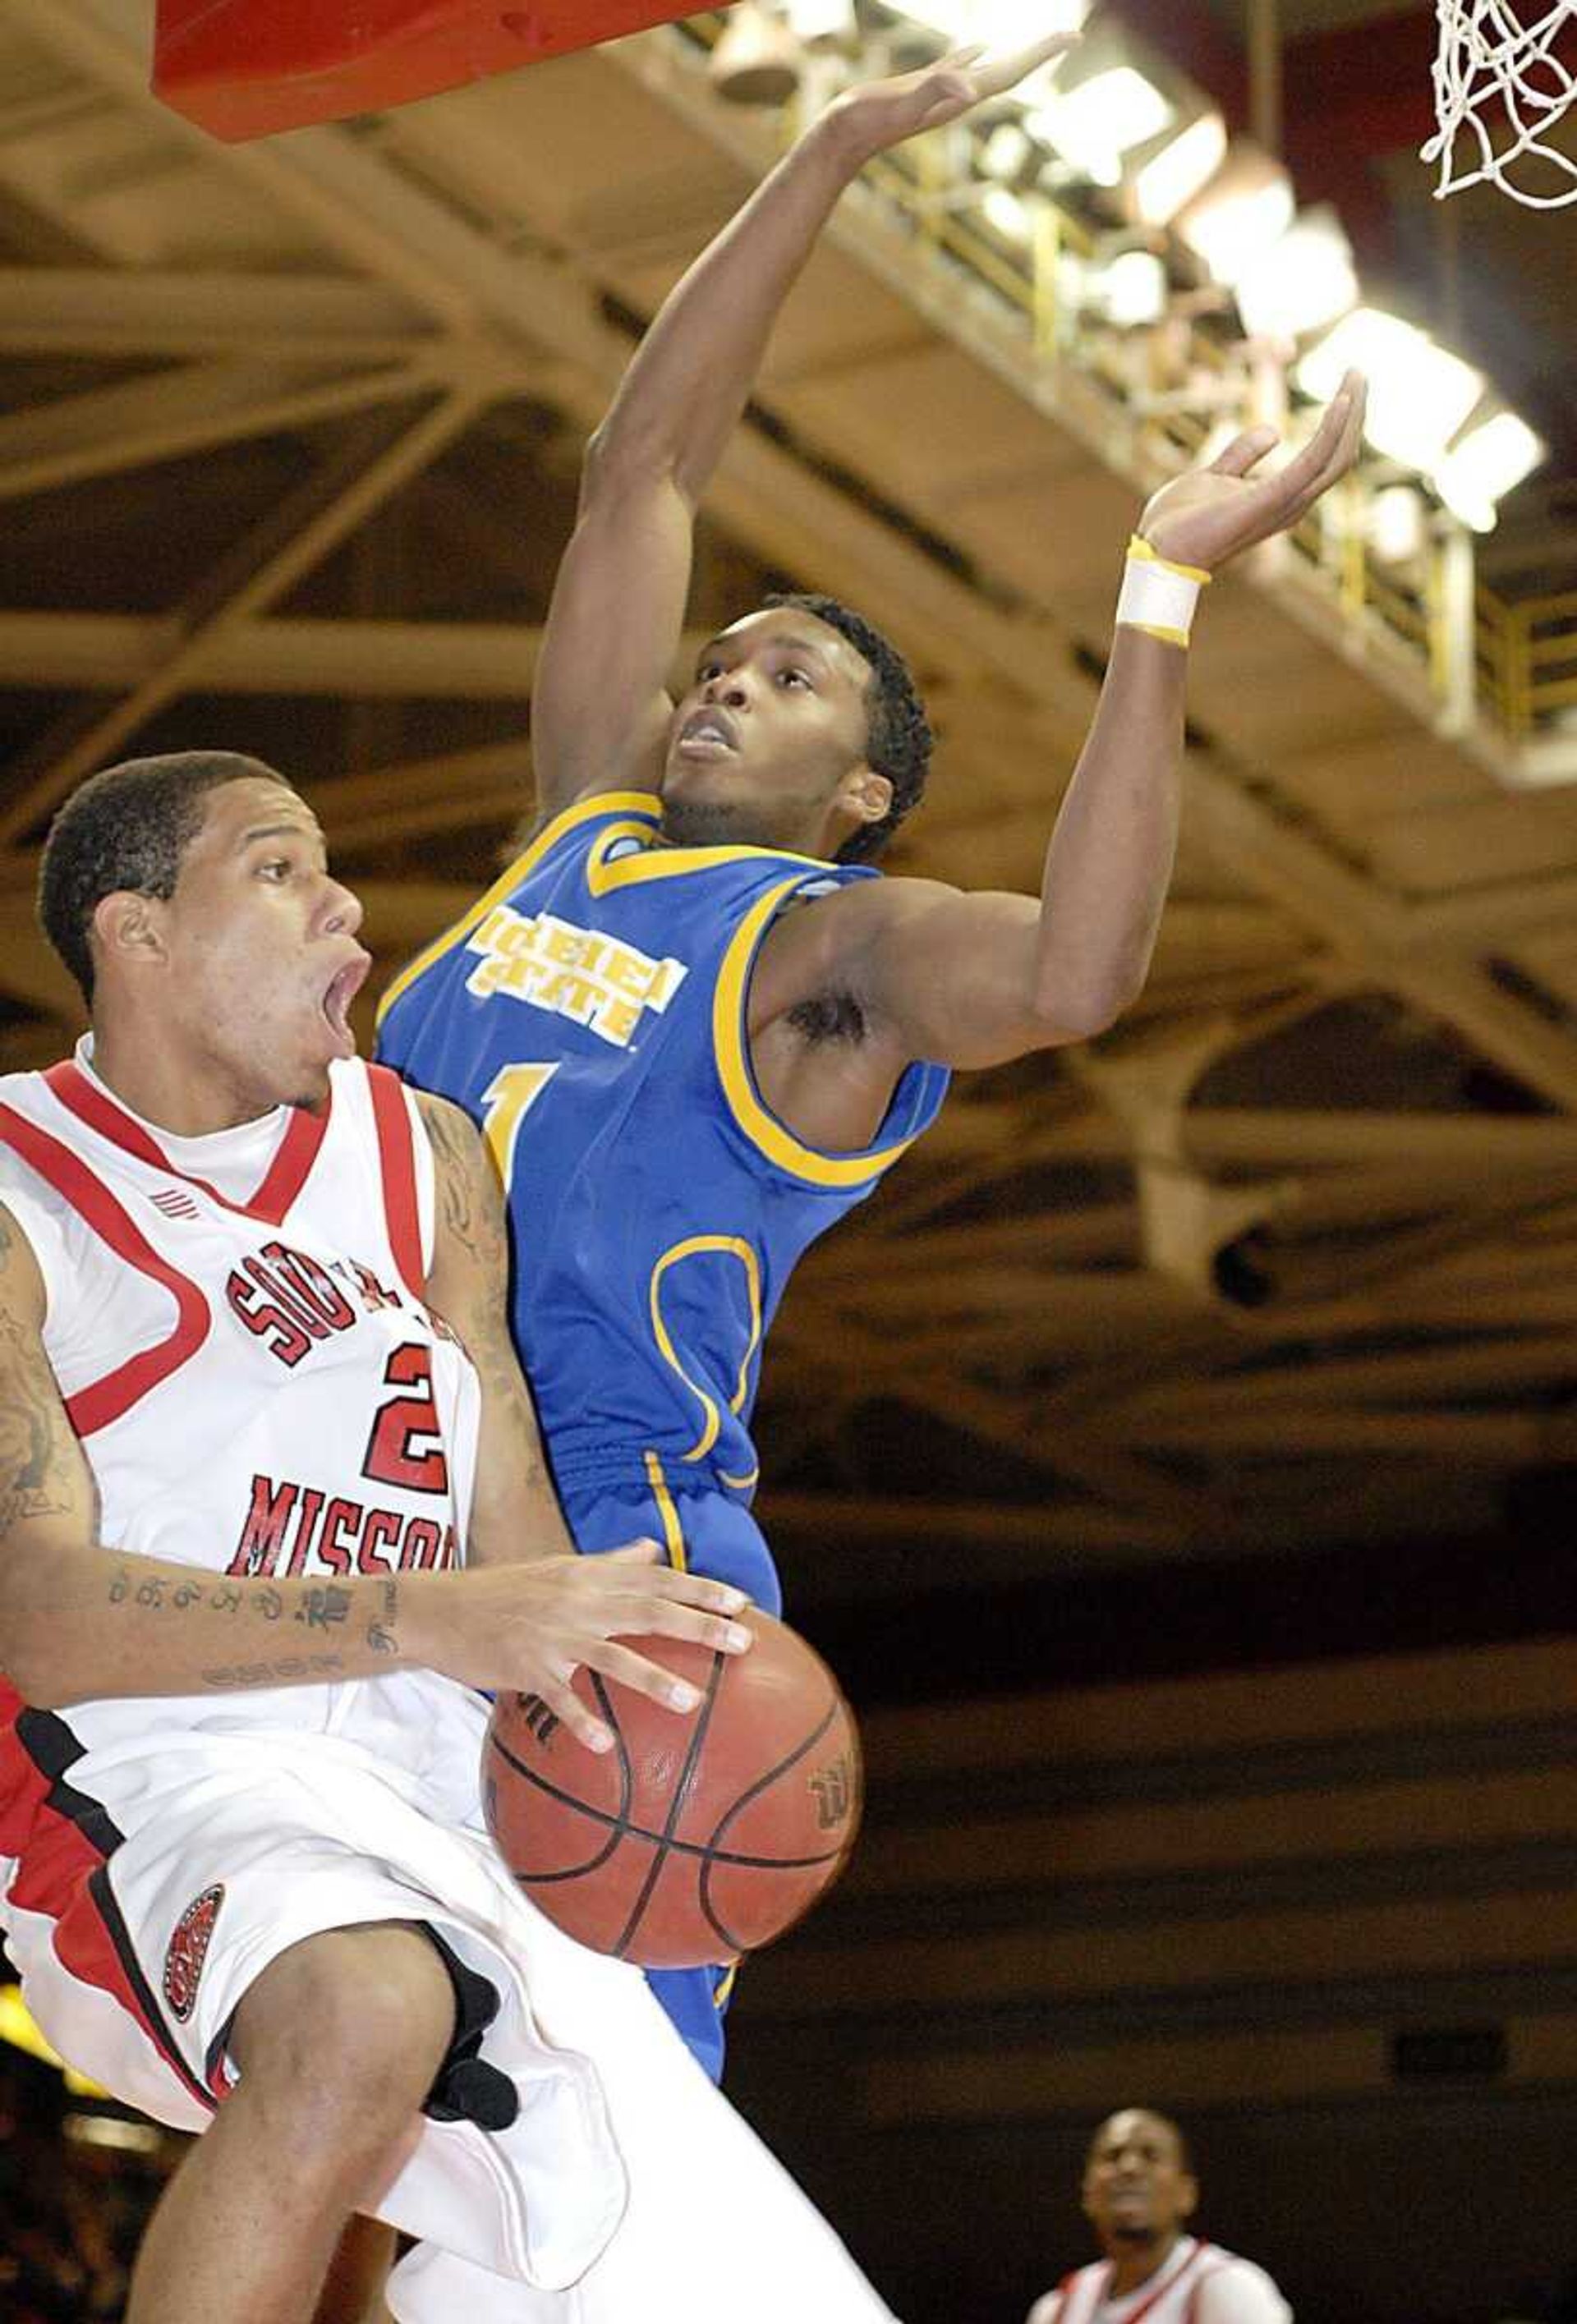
(1140, 547)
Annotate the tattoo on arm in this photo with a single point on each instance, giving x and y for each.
(381, 1633)
(41, 1465)
(472, 1211)
(275, 1674)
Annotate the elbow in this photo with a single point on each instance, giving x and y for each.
(29, 1665)
(619, 461)
(1066, 1015)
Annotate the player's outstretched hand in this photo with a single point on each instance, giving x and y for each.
(531, 1627)
(1217, 513)
(878, 113)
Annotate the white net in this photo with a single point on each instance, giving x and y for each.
(1504, 73)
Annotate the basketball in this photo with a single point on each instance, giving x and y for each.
(699, 1836)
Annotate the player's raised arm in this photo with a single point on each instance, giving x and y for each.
(599, 711)
(971, 979)
(79, 1621)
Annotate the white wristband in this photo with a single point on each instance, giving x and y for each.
(1157, 595)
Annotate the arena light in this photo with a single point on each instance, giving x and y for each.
(1003, 209)
(1246, 208)
(1001, 24)
(1184, 160)
(1007, 152)
(1301, 282)
(1488, 458)
(1394, 526)
(811, 21)
(1095, 123)
(1419, 393)
(1130, 289)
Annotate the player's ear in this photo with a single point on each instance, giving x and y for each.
(1188, 2196)
(129, 928)
(868, 793)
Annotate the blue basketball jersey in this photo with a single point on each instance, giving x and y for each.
(589, 1013)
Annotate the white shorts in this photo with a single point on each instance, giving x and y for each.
(165, 1874)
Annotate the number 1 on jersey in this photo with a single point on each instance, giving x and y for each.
(509, 1097)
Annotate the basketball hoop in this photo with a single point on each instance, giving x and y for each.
(1505, 70)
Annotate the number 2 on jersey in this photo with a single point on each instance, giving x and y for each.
(406, 1445)
(509, 1097)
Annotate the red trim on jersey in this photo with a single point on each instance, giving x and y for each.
(1103, 2270)
(397, 1162)
(61, 1876)
(283, 1180)
(106, 1399)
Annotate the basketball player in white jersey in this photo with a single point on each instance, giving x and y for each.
(272, 1507)
(1138, 2194)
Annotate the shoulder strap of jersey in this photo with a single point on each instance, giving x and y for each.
(95, 1407)
(286, 1174)
(577, 817)
(398, 1160)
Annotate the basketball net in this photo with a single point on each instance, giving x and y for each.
(1501, 87)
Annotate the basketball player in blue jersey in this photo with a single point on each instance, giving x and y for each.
(694, 1022)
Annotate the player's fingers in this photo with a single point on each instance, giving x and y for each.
(1332, 447)
(662, 1618)
(1008, 71)
(581, 1722)
(641, 1552)
(697, 1590)
(1243, 452)
(622, 1663)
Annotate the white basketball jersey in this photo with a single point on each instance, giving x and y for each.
(238, 1326)
(1171, 2297)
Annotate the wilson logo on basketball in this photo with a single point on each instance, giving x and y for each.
(833, 1788)
(189, 1948)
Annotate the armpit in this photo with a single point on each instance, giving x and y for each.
(829, 1017)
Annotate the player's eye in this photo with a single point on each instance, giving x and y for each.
(792, 678)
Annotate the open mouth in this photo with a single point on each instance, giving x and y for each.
(707, 735)
(343, 988)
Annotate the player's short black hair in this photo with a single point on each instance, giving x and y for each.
(1153, 2113)
(125, 827)
(899, 742)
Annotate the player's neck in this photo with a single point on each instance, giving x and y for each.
(1134, 2265)
(164, 1091)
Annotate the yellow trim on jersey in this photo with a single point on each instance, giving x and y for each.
(673, 1533)
(663, 862)
(760, 1126)
(737, 1247)
(722, 1992)
(582, 811)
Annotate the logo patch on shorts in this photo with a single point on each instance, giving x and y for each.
(189, 1948)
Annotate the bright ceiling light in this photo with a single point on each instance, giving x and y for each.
(1484, 463)
(820, 19)
(1006, 151)
(1095, 125)
(1131, 289)
(1177, 170)
(1301, 282)
(1395, 524)
(1001, 24)
(1008, 214)
(1247, 205)
(1419, 394)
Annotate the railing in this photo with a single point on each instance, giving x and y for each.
(1499, 673)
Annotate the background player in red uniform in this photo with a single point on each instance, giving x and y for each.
(1140, 2194)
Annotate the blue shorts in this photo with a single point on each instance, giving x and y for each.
(708, 1532)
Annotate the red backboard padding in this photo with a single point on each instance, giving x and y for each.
(246, 68)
